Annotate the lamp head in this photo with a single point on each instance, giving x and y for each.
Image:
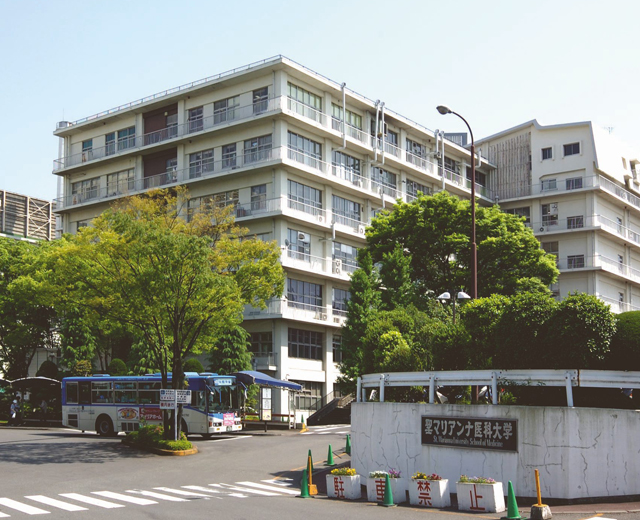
(444, 110)
(444, 296)
(463, 296)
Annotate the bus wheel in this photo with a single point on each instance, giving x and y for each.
(104, 426)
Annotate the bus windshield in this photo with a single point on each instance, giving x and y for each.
(223, 398)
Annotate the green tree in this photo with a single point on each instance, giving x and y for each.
(230, 352)
(48, 369)
(26, 320)
(117, 367)
(434, 232)
(625, 344)
(178, 283)
(193, 365)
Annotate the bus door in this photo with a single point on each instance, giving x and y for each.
(84, 403)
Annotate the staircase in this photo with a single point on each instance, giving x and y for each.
(331, 410)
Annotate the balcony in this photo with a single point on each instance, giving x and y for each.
(617, 306)
(123, 146)
(575, 262)
(303, 261)
(283, 308)
(588, 222)
(265, 361)
(300, 109)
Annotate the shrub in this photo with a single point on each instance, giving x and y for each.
(349, 472)
(193, 365)
(48, 369)
(117, 367)
(151, 436)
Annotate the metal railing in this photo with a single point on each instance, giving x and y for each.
(610, 265)
(128, 144)
(617, 306)
(306, 261)
(264, 361)
(296, 107)
(350, 176)
(579, 222)
(493, 378)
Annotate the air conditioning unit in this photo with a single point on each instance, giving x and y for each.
(301, 236)
(361, 230)
(336, 319)
(337, 268)
(321, 316)
(321, 219)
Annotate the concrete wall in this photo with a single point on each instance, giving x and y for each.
(580, 452)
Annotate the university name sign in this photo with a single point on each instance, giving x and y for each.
(468, 432)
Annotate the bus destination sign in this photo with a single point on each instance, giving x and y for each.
(464, 432)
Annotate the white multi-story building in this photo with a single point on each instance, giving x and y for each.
(273, 139)
(579, 190)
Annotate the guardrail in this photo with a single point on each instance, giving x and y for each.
(546, 378)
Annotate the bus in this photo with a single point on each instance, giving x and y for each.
(111, 404)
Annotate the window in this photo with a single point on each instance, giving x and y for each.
(200, 163)
(571, 149)
(304, 295)
(229, 156)
(306, 344)
(384, 180)
(87, 150)
(575, 262)
(353, 121)
(171, 122)
(620, 262)
(304, 102)
(224, 199)
(416, 154)
(346, 167)
(309, 396)
(101, 392)
(261, 342)
(345, 212)
(547, 153)
(550, 214)
(126, 138)
(619, 225)
(260, 100)
(299, 245)
(552, 249)
(304, 198)
(72, 393)
(481, 178)
(85, 190)
(126, 392)
(450, 165)
(171, 169)
(521, 212)
(347, 254)
(549, 185)
(304, 150)
(195, 119)
(120, 183)
(337, 348)
(574, 184)
(259, 197)
(621, 301)
(224, 110)
(414, 187)
(149, 393)
(575, 222)
(83, 224)
(340, 299)
(110, 143)
(257, 149)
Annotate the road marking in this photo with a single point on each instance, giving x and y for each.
(90, 500)
(125, 498)
(2, 515)
(249, 490)
(202, 488)
(269, 488)
(24, 508)
(284, 482)
(232, 438)
(56, 503)
(181, 492)
(159, 496)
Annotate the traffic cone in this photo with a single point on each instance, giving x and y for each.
(347, 448)
(304, 486)
(330, 458)
(310, 462)
(388, 495)
(304, 426)
(512, 505)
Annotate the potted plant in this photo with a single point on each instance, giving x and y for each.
(344, 483)
(429, 490)
(376, 486)
(480, 494)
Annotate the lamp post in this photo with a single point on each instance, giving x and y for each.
(446, 296)
(474, 253)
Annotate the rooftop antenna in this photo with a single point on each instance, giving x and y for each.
(609, 129)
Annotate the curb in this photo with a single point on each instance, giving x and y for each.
(158, 451)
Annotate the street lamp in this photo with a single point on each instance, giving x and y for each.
(444, 110)
(445, 296)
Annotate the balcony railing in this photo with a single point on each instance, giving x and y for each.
(352, 131)
(617, 306)
(304, 261)
(598, 261)
(306, 111)
(314, 211)
(343, 220)
(308, 160)
(350, 176)
(258, 207)
(579, 222)
(173, 132)
(264, 361)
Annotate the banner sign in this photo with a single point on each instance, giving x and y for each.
(464, 432)
(151, 414)
(127, 414)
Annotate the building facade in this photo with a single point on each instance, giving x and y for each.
(304, 161)
(26, 218)
(579, 191)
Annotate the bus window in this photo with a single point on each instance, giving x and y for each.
(197, 400)
(126, 392)
(222, 398)
(149, 393)
(72, 393)
(101, 392)
(85, 392)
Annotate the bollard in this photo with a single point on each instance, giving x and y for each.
(540, 511)
(347, 448)
(313, 489)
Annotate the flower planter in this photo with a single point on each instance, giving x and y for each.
(344, 486)
(429, 493)
(375, 489)
(487, 498)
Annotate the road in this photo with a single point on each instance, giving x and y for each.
(69, 474)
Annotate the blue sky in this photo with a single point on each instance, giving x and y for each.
(498, 63)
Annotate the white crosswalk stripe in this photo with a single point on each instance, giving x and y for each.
(181, 492)
(202, 488)
(125, 498)
(245, 490)
(55, 503)
(159, 496)
(3, 515)
(285, 482)
(23, 508)
(269, 488)
(91, 501)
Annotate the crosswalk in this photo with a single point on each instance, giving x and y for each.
(42, 504)
(339, 429)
